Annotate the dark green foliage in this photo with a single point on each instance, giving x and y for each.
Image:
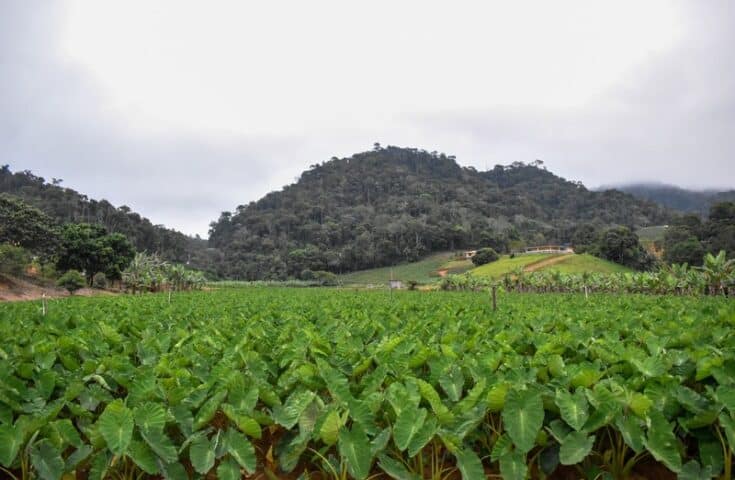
(688, 238)
(584, 239)
(72, 281)
(91, 249)
(64, 205)
(621, 245)
(484, 255)
(13, 259)
(99, 280)
(393, 205)
(24, 225)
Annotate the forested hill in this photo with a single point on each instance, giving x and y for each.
(65, 205)
(691, 201)
(398, 204)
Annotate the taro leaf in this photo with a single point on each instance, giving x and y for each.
(161, 445)
(440, 410)
(329, 430)
(289, 450)
(99, 465)
(548, 459)
(408, 424)
(116, 426)
(513, 466)
(209, 409)
(65, 430)
(710, 454)
(360, 412)
(184, 419)
(242, 398)
(639, 404)
(79, 455)
(523, 417)
(651, 367)
(422, 437)
(575, 447)
(728, 425)
(452, 382)
(693, 471)
(241, 450)
(395, 469)
(630, 428)
(201, 454)
(503, 446)
(288, 414)
(245, 423)
(150, 416)
(496, 397)
(469, 465)
(47, 461)
(573, 407)
(472, 397)
(354, 448)
(11, 439)
(726, 395)
(662, 442)
(173, 471)
(143, 457)
(228, 469)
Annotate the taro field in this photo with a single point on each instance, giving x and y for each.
(273, 383)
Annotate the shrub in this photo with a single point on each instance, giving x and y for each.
(484, 255)
(99, 280)
(71, 281)
(327, 279)
(413, 284)
(306, 274)
(13, 259)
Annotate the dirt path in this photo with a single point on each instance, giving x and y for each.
(17, 290)
(545, 263)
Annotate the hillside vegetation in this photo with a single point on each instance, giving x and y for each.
(394, 205)
(683, 200)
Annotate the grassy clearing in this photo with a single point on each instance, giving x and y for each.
(586, 263)
(651, 234)
(422, 271)
(506, 264)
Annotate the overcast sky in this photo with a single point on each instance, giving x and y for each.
(182, 109)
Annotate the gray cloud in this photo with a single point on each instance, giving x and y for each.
(671, 119)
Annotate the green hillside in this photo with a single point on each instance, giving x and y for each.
(422, 271)
(548, 262)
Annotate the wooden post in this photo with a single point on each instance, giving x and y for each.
(43, 304)
(495, 303)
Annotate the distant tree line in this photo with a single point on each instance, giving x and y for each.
(688, 237)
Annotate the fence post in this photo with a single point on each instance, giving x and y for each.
(495, 303)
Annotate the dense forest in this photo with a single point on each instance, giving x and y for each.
(393, 204)
(65, 205)
(690, 201)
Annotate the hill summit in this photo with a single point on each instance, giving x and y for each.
(392, 204)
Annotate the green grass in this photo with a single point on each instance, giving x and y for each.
(586, 263)
(423, 271)
(506, 264)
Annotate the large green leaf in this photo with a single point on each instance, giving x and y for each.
(161, 445)
(662, 442)
(228, 469)
(408, 424)
(523, 417)
(143, 456)
(47, 461)
(469, 465)
(150, 416)
(116, 427)
(513, 466)
(208, 410)
(201, 454)
(395, 469)
(329, 430)
(11, 438)
(354, 448)
(575, 447)
(241, 450)
(288, 414)
(423, 436)
(573, 407)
